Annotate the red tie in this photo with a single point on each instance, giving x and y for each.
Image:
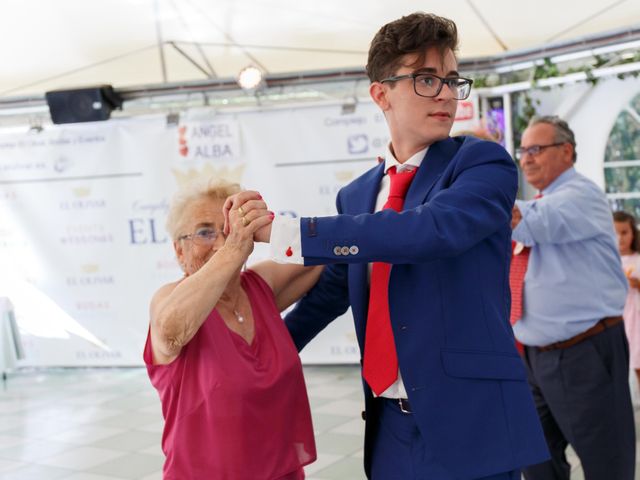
(380, 365)
(519, 263)
(517, 272)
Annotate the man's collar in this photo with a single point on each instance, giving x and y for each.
(564, 177)
(414, 161)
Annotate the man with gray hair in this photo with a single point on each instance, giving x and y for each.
(568, 292)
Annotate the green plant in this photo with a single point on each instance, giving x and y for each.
(524, 111)
(547, 69)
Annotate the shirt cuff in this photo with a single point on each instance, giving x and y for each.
(286, 245)
(522, 233)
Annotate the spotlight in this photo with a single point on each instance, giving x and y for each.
(250, 78)
(89, 104)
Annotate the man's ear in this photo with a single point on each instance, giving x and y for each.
(567, 151)
(378, 92)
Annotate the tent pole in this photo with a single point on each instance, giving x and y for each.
(163, 65)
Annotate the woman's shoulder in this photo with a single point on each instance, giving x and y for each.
(161, 294)
(254, 278)
(257, 287)
(164, 290)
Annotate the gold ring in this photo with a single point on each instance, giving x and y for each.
(245, 222)
(241, 211)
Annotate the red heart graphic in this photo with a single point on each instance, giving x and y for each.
(184, 151)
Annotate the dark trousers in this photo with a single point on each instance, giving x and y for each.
(399, 449)
(583, 399)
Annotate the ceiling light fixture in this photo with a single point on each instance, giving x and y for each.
(250, 78)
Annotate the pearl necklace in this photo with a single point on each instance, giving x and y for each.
(236, 313)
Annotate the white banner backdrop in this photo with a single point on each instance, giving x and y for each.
(82, 212)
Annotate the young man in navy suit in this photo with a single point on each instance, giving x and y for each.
(420, 250)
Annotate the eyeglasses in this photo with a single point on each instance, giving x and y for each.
(203, 236)
(429, 85)
(534, 150)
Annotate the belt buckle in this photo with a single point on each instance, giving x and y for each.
(402, 403)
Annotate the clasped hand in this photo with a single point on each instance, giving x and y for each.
(516, 217)
(248, 210)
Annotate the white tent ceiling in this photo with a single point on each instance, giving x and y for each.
(68, 43)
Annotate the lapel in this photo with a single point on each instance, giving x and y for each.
(364, 200)
(431, 169)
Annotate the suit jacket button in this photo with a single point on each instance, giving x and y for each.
(363, 414)
(353, 250)
(337, 251)
(344, 250)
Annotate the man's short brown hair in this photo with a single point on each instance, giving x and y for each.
(415, 33)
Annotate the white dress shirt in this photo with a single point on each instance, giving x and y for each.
(286, 244)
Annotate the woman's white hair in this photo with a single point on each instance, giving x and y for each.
(213, 188)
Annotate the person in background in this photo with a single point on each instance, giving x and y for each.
(420, 251)
(228, 374)
(481, 133)
(627, 233)
(568, 293)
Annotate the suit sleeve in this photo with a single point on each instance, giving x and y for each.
(325, 302)
(477, 202)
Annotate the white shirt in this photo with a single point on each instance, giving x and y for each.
(285, 237)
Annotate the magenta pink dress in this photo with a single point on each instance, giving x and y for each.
(234, 410)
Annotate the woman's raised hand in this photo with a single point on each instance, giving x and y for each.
(247, 210)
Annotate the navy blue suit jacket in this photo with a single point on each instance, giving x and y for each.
(449, 304)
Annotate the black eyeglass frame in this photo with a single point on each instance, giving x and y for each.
(443, 80)
(534, 150)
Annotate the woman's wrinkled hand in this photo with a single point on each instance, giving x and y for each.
(248, 210)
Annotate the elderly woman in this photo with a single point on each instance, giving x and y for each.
(227, 372)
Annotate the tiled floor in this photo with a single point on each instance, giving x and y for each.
(105, 424)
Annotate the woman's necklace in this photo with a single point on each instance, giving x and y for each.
(236, 310)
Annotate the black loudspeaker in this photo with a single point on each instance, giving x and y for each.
(89, 104)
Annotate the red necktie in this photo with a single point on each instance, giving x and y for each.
(517, 272)
(380, 365)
